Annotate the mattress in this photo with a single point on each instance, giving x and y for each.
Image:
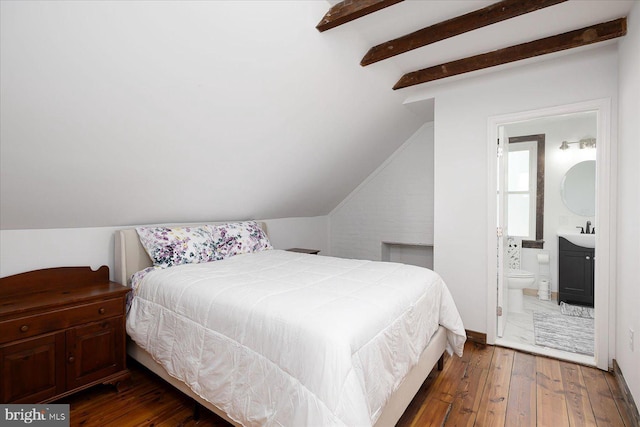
(283, 338)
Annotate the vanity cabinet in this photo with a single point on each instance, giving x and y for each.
(61, 330)
(575, 273)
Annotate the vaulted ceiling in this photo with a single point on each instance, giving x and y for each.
(117, 113)
(434, 40)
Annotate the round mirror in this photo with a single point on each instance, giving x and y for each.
(579, 188)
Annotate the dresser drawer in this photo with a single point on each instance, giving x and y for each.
(29, 326)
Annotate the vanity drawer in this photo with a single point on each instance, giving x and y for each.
(29, 326)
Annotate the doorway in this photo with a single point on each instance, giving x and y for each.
(537, 252)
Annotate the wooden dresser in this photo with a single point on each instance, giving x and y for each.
(61, 330)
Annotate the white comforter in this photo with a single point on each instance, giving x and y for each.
(281, 338)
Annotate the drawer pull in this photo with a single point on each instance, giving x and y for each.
(24, 328)
(72, 359)
(101, 310)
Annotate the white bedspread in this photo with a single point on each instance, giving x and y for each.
(282, 338)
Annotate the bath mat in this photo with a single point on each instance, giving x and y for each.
(576, 310)
(567, 333)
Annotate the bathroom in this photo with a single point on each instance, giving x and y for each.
(566, 207)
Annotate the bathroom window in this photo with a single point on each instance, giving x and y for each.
(521, 190)
(525, 192)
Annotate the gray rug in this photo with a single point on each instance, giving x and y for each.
(568, 333)
(576, 310)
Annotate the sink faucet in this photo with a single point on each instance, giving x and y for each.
(588, 228)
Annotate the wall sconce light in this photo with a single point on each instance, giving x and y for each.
(583, 143)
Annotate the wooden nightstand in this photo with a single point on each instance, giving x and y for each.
(61, 330)
(305, 251)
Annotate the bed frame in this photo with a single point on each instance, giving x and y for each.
(130, 257)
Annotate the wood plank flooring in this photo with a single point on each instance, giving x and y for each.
(487, 386)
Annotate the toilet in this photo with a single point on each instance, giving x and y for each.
(517, 280)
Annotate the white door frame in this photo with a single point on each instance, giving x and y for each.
(605, 220)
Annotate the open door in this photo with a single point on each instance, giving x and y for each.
(501, 232)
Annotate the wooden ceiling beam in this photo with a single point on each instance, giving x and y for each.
(348, 10)
(572, 39)
(455, 26)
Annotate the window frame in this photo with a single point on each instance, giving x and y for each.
(539, 139)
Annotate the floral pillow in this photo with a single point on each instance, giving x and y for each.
(169, 246)
(239, 238)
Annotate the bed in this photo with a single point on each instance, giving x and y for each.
(272, 337)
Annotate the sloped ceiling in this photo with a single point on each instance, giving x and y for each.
(117, 113)
(412, 15)
(120, 113)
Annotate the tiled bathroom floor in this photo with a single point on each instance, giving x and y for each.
(519, 327)
(518, 332)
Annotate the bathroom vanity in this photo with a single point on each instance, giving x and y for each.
(575, 273)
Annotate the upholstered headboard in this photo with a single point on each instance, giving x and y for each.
(130, 255)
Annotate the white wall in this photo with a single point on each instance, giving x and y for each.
(628, 249)
(394, 204)
(25, 250)
(461, 175)
(557, 217)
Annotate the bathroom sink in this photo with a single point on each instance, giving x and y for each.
(584, 240)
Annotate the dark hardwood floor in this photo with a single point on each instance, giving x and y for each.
(488, 386)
